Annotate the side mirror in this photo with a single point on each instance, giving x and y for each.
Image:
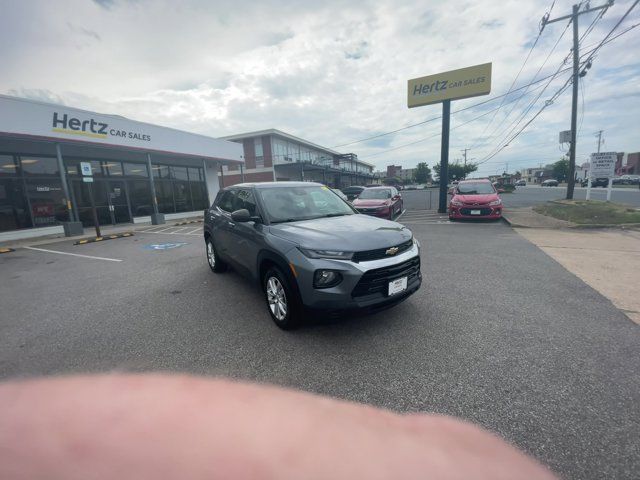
(241, 215)
(452, 191)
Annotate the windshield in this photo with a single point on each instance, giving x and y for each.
(375, 194)
(302, 203)
(479, 188)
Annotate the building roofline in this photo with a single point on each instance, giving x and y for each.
(112, 115)
(280, 133)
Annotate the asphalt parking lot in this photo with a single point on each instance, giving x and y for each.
(500, 334)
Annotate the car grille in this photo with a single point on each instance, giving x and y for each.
(483, 211)
(377, 281)
(379, 253)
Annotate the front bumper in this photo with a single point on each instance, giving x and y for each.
(350, 294)
(486, 211)
(375, 212)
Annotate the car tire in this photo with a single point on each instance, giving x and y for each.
(282, 302)
(215, 263)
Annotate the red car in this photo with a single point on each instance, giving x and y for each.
(383, 202)
(475, 199)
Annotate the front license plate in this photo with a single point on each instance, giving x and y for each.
(398, 285)
(475, 212)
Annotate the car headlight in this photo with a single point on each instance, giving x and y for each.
(326, 278)
(330, 254)
(496, 202)
(456, 203)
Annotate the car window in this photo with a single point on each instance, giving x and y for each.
(245, 199)
(375, 194)
(226, 201)
(475, 188)
(301, 203)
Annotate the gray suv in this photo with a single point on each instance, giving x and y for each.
(309, 249)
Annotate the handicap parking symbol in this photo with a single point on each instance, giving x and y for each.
(163, 246)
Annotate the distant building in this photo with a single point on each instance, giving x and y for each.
(394, 171)
(631, 165)
(532, 175)
(273, 155)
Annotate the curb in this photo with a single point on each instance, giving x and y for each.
(606, 225)
(188, 222)
(103, 238)
(6, 250)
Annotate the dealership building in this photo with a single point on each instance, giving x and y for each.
(273, 155)
(53, 158)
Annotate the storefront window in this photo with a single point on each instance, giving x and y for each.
(39, 165)
(14, 211)
(182, 196)
(195, 174)
(48, 204)
(113, 169)
(160, 171)
(8, 166)
(135, 169)
(140, 197)
(199, 195)
(179, 173)
(164, 193)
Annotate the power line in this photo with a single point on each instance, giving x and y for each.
(440, 116)
(541, 28)
(436, 134)
(525, 91)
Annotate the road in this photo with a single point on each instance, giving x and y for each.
(500, 334)
(526, 196)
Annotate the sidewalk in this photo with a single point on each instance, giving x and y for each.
(89, 232)
(527, 218)
(606, 260)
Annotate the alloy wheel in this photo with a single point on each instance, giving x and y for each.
(276, 298)
(211, 256)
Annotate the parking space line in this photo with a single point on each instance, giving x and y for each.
(199, 229)
(74, 254)
(181, 228)
(164, 229)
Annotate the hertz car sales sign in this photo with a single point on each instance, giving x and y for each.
(463, 83)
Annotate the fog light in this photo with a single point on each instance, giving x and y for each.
(326, 278)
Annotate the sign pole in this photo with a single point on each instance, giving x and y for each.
(444, 156)
(94, 211)
(589, 187)
(609, 189)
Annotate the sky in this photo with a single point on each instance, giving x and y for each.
(332, 72)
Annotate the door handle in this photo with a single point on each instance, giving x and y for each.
(231, 224)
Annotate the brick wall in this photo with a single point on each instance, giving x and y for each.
(266, 151)
(229, 180)
(249, 153)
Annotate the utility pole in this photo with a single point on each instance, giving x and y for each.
(464, 154)
(576, 78)
(599, 134)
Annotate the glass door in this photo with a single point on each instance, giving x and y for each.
(83, 200)
(118, 202)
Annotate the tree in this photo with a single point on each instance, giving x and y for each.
(457, 171)
(422, 173)
(561, 170)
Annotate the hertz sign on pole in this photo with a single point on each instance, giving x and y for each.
(456, 84)
(442, 88)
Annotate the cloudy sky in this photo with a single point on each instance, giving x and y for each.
(331, 72)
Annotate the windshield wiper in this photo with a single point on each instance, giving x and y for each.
(288, 220)
(328, 215)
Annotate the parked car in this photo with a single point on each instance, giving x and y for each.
(340, 194)
(521, 183)
(353, 191)
(309, 250)
(632, 179)
(600, 182)
(549, 183)
(383, 202)
(475, 199)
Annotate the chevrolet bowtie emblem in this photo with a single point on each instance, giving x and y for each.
(392, 251)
